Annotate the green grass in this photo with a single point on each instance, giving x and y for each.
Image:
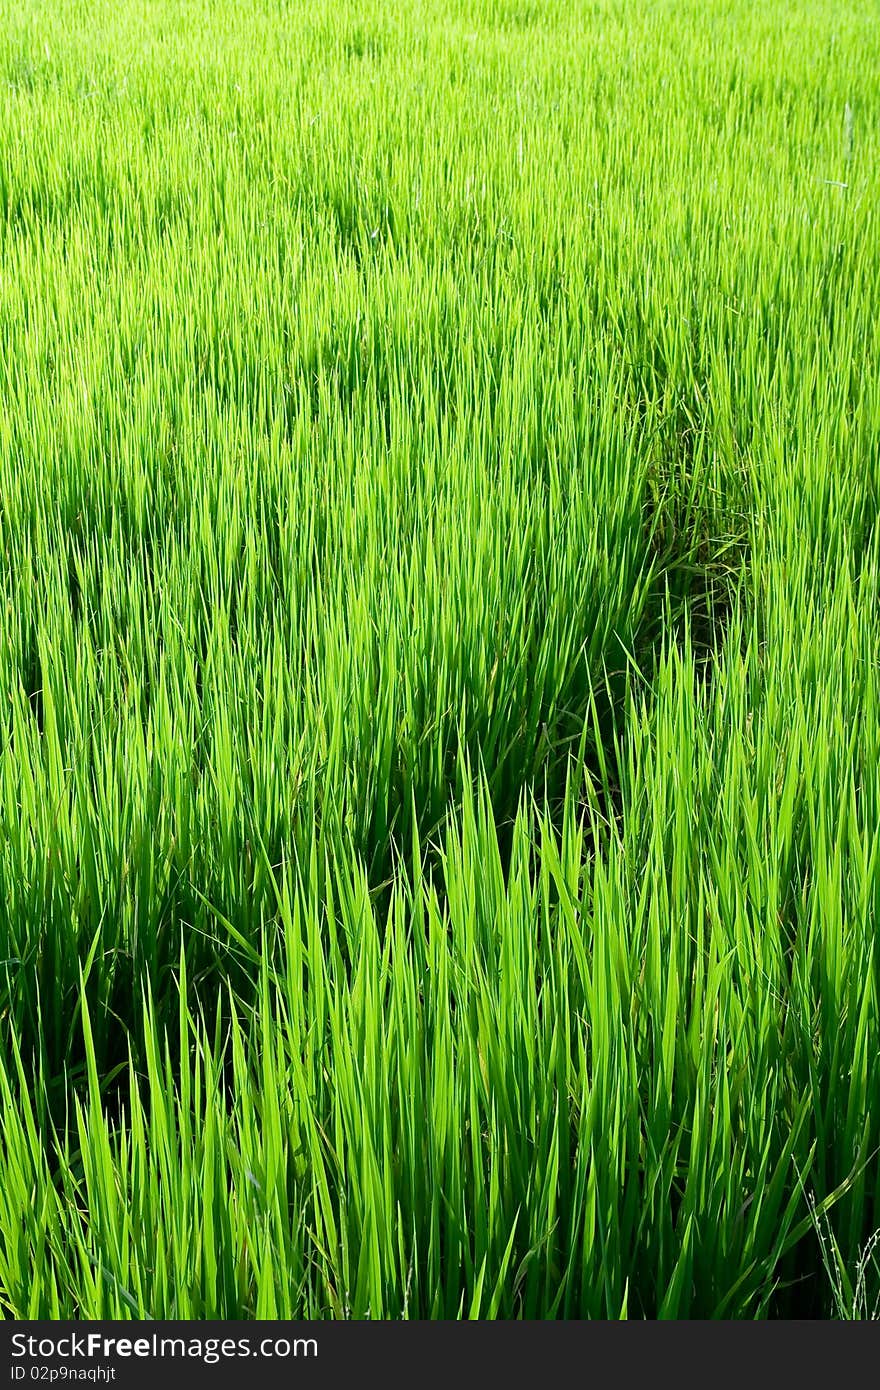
(440, 658)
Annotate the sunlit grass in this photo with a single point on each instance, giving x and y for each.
(439, 631)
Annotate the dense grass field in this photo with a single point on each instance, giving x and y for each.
(440, 658)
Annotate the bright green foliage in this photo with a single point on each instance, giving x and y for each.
(440, 658)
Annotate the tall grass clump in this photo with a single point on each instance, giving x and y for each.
(439, 630)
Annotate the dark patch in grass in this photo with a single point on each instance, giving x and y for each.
(32, 678)
(74, 591)
(701, 547)
(362, 42)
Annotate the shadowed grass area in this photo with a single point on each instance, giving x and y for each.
(439, 749)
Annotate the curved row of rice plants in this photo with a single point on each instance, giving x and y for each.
(440, 658)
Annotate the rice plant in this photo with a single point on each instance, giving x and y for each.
(439, 632)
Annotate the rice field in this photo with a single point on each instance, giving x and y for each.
(439, 659)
